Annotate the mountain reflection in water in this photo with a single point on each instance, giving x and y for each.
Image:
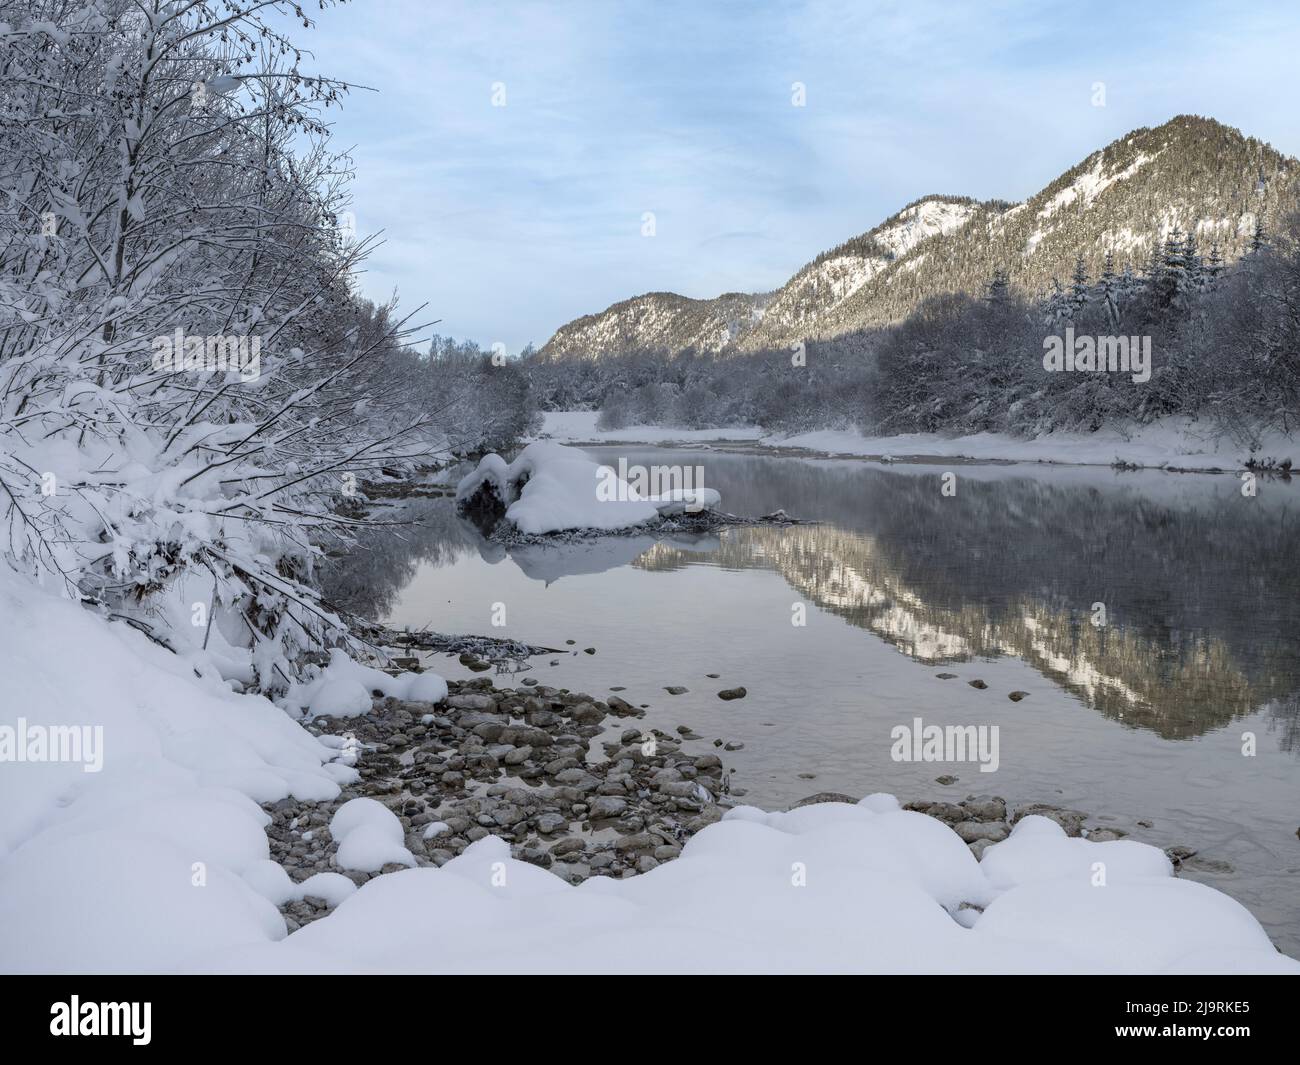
(1198, 582)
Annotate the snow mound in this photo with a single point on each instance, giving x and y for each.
(551, 488)
(162, 854)
(344, 688)
(369, 836)
(832, 887)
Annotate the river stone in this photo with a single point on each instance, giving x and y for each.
(949, 813)
(548, 823)
(605, 806)
(970, 831)
(507, 815)
(587, 714)
(471, 701)
(527, 736)
(732, 693)
(821, 796)
(621, 707)
(577, 778)
(1106, 835)
(985, 808)
(638, 841)
(1070, 820)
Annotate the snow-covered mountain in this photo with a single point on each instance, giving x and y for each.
(660, 321)
(1192, 174)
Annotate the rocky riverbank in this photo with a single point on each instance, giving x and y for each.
(528, 764)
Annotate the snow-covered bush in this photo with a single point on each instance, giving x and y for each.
(188, 384)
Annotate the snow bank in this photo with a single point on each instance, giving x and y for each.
(141, 864)
(550, 488)
(1172, 442)
(579, 426)
(1175, 442)
(832, 887)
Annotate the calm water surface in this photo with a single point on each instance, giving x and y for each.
(1142, 719)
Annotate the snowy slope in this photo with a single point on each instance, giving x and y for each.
(96, 868)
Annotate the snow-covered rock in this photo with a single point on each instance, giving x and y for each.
(369, 836)
(344, 688)
(550, 488)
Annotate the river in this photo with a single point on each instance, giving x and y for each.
(1153, 619)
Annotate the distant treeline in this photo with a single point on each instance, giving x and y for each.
(1225, 345)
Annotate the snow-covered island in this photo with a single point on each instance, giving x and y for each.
(551, 488)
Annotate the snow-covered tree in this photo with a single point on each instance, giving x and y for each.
(170, 206)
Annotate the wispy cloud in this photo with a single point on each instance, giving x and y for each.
(508, 221)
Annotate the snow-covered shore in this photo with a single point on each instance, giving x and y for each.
(826, 888)
(159, 860)
(1171, 444)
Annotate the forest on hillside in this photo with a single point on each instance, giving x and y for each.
(1225, 343)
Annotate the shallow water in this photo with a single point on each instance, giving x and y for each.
(1142, 718)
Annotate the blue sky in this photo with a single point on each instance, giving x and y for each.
(509, 221)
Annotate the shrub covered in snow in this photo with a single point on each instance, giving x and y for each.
(189, 385)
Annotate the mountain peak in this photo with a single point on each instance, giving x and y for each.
(1191, 174)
